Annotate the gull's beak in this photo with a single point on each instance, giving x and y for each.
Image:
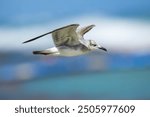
(102, 48)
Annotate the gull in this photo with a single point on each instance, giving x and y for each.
(69, 41)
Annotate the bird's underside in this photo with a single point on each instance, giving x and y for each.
(68, 41)
(64, 51)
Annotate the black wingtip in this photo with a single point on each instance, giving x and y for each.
(24, 42)
(36, 37)
(29, 40)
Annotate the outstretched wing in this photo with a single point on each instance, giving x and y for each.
(67, 32)
(84, 30)
(66, 36)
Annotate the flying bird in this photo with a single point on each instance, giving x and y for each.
(69, 41)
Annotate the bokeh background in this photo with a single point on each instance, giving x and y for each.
(122, 26)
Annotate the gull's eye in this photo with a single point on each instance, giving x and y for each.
(94, 44)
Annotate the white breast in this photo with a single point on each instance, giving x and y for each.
(66, 51)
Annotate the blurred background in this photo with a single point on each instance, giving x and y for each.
(122, 26)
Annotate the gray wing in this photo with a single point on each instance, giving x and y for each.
(61, 35)
(66, 36)
(84, 30)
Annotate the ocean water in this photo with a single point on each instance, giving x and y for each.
(125, 84)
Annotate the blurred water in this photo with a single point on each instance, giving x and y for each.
(127, 84)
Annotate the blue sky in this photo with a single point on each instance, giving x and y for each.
(20, 12)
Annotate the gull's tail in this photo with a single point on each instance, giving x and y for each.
(51, 51)
(41, 52)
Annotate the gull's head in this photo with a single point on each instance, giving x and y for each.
(94, 46)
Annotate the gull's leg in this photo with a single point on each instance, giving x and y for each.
(50, 51)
